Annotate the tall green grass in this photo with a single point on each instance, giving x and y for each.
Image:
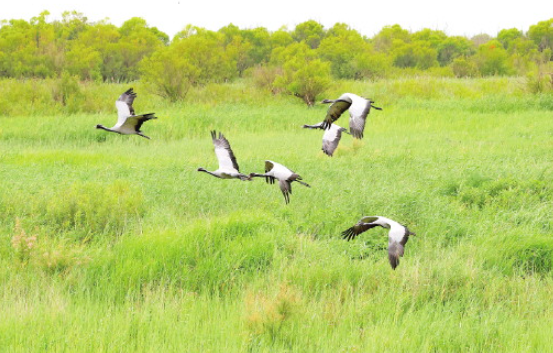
(116, 243)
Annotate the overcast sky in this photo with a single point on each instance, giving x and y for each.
(466, 18)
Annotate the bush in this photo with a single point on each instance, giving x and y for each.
(464, 68)
(264, 77)
(371, 66)
(491, 59)
(67, 92)
(187, 62)
(91, 209)
(83, 210)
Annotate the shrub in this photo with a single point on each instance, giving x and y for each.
(264, 77)
(463, 68)
(67, 92)
(91, 209)
(491, 59)
(23, 244)
(187, 62)
(268, 317)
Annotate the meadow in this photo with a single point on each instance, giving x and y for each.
(114, 243)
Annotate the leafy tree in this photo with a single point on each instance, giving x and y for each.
(229, 33)
(187, 62)
(66, 90)
(44, 62)
(491, 59)
(170, 75)
(540, 79)
(101, 51)
(281, 38)
(480, 39)
(280, 55)
(430, 37)
(136, 42)
(16, 48)
(311, 32)
(542, 34)
(264, 77)
(71, 26)
(452, 48)
(416, 54)
(103, 38)
(303, 74)
(239, 50)
(508, 36)
(260, 40)
(520, 51)
(340, 47)
(28, 49)
(522, 45)
(385, 39)
(84, 62)
(462, 67)
(371, 65)
(247, 47)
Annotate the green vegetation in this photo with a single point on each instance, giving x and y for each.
(116, 243)
(299, 61)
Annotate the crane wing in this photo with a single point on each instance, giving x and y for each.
(396, 245)
(358, 111)
(133, 123)
(357, 229)
(224, 153)
(286, 188)
(331, 138)
(335, 111)
(395, 251)
(124, 106)
(268, 166)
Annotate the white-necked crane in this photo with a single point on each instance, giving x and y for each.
(398, 235)
(127, 122)
(285, 177)
(331, 137)
(359, 108)
(228, 167)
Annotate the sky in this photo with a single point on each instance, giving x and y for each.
(464, 18)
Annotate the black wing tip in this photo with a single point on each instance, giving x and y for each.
(130, 92)
(326, 125)
(394, 262)
(214, 135)
(349, 234)
(286, 197)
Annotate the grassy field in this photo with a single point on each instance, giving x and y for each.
(116, 243)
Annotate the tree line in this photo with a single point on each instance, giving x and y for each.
(301, 61)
